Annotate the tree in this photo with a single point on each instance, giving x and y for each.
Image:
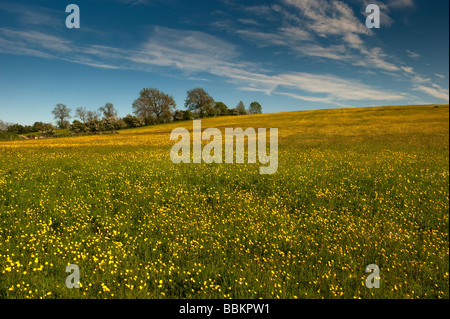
(178, 115)
(17, 129)
(113, 124)
(82, 114)
(77, 127)
(3, 126)
(133, 121)
(62, 113)
(200, 102)
(108, 111)
(255, 108)
(181, 115)
(92, 115)
(47, 129)
(37, 126)
(94, 126)
(221, 108)
(63, 125)
(241, 108)
(187, 115)
(154, 105)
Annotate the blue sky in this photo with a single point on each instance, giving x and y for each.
(288, 54)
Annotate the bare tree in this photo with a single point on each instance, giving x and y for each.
(92, 115)
(62, 113)
(108, 111)
(3, 126)
(81, 113)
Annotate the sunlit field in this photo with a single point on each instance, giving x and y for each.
(354, 187)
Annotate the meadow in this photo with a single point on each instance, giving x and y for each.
(354, 187)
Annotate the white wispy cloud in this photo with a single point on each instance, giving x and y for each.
(387, 7)
(336, 88)
(331, 30)
(331, 18)
(14, 47)
(32, 15)
(283, 37)
(401, 4)
(248, 21)
(426, 85)
(310, 98)
(408, 69)
(37, 39)
(195, 52)
(376, 58)
(39, 44)
(333, 52)
(132, 2)
(439, 92)
(315, 28)
(412, 54)
(336, 20)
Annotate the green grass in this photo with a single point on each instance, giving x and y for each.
(354, 187)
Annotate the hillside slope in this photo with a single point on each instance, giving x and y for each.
(354, 187)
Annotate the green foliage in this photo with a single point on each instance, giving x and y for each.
(221, 109)
(63, 124)
(38, 126)
(133, 121)
(255, 108)
(18, 129)
(94, 126)
(113, 124)
(200, 102)
(154, 106)
(187, 115)
(78, 128)
(241, 108)
(8, 136)
(178, 115)
(47, 130)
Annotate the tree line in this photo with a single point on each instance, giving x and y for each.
(150, 108)
(43, 128)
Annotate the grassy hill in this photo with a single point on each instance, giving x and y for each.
(354, 187)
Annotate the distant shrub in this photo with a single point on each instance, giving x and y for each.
(8, 136)
(78, 128)
(133, 121)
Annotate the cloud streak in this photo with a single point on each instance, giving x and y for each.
(192, 52)
(196, 53)
(437, 92)
(323, 29)
(34, 16)
(330, 30)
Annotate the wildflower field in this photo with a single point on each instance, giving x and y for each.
(354, 187)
